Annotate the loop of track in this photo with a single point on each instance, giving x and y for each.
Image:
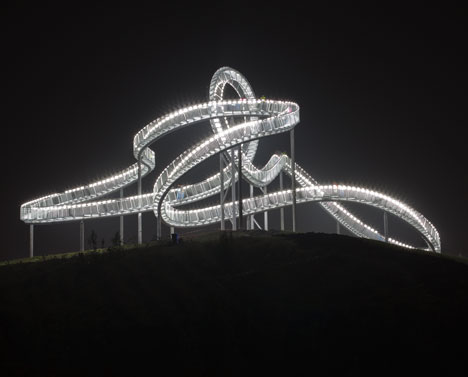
(255, 119)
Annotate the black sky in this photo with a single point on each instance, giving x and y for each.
(382, 95)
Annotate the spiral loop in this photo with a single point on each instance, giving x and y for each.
(234, 122)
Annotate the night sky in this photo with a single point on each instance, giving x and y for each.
(382, 95)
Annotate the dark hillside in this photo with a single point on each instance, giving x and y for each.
(253, 304)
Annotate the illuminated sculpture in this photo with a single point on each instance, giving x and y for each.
(237, 125)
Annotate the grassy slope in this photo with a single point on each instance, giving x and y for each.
(249, 305)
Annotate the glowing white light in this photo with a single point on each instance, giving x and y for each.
(276, 117)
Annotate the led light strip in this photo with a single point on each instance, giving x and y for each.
(259, 118)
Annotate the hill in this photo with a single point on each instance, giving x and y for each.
(237, 305)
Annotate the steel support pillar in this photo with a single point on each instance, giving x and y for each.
(252, 219)
(282, 208)
(233, 188)
(293, 179)
(140, 229)
(81, 235)
(31, 240)
(159, 223)
(241, 222)
(221, 191)
(140, 224)
(385, 223)
(121, 222)
(258, 225)
(265, 214)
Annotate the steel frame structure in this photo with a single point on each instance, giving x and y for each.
(238, 125)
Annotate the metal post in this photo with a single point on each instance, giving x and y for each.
(265, 214)
(241, 223)
(221, 190)
(233, 188)
(293, 178)
(140, 225)
(338, 227)
(121, 222)
(385, 222)
(159, 223)
(31, 240)
(252, 225)
(81, 235)
(282, 208)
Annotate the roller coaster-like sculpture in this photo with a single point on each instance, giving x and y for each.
(237, 125)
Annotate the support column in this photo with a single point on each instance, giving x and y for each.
(31, 240)
(121, 222)
(265, 214)
(221, 190)
(81, 235)
(338, 227)
(159, 223)
(241, 222)
(233, 188)
(140, 224)
(385, 222)
(293, 178)
(282, 208)
(252, 225)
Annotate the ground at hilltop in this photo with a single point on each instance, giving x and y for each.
(237, 305)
